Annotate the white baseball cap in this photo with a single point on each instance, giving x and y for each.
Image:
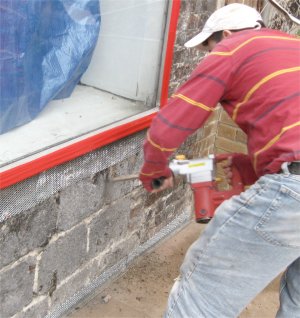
(234, 16)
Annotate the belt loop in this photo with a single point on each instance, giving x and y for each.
(284, 168)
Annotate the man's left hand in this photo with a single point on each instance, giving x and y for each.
(166, 184)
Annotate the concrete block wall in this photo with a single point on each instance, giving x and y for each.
(193, 14)
(53, 250)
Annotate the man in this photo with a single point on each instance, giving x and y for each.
(254, 73)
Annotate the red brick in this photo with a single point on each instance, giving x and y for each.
(230, 146)
(226, 119)
(210, 129)
(227, 131)
(241, 136)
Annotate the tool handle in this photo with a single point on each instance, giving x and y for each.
(157, 183)
(125, 178)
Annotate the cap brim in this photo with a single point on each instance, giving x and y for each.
(198, 39)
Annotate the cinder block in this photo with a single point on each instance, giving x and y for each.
(61, 258)
(16, 287)
(37, 309)
(128, 166)
(109, 226)
(121, 250)
(93, 270)
(137, 209)
(78, 281)
(193, 21)
(80, 200)
(193, 14)
(179, 193)
(116, 190)
(164, 213)
(131, 166)
(209, 5)
(24, 232)
(178, 55)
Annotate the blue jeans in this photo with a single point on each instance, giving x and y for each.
(252, 238)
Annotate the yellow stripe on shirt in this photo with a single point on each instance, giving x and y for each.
(193, 102)
(158, 146)
(151, 173)
(259, 84)
(250, 40)
(273, 141)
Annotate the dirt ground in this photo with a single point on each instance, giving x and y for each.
(143, 290)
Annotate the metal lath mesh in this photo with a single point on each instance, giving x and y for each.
(26, 194)
(113, 272)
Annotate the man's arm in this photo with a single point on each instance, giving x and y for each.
(187, 110)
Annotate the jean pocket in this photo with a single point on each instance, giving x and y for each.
(280, 224)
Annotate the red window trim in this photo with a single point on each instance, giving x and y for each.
(79, 148)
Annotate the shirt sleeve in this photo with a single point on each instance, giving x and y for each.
(187, 110)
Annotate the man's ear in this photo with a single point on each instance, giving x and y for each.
(226, 33)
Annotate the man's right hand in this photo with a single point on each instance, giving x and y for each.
(227, 168)
(242, 163)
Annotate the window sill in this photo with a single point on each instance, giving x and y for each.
(87, 110)
(56, 137)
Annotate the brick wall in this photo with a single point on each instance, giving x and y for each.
(230, 138)
(193, 14)
(219, 134)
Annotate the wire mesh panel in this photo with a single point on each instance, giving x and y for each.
(28, 193)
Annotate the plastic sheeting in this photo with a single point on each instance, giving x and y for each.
(45, 47)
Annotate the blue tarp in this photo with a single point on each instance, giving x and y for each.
(45, 47)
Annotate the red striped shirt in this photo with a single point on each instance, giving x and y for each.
(255, 75)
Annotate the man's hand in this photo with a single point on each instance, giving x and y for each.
(166, 184)
(242, 163)
(148, 176)
(227, 168)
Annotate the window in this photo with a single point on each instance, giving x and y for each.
(120, 85)
(127, 58)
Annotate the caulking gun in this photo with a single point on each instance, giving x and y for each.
(201, 174)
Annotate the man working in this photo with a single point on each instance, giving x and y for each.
(254, 73)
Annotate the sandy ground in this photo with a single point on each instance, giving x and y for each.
(143, 290)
